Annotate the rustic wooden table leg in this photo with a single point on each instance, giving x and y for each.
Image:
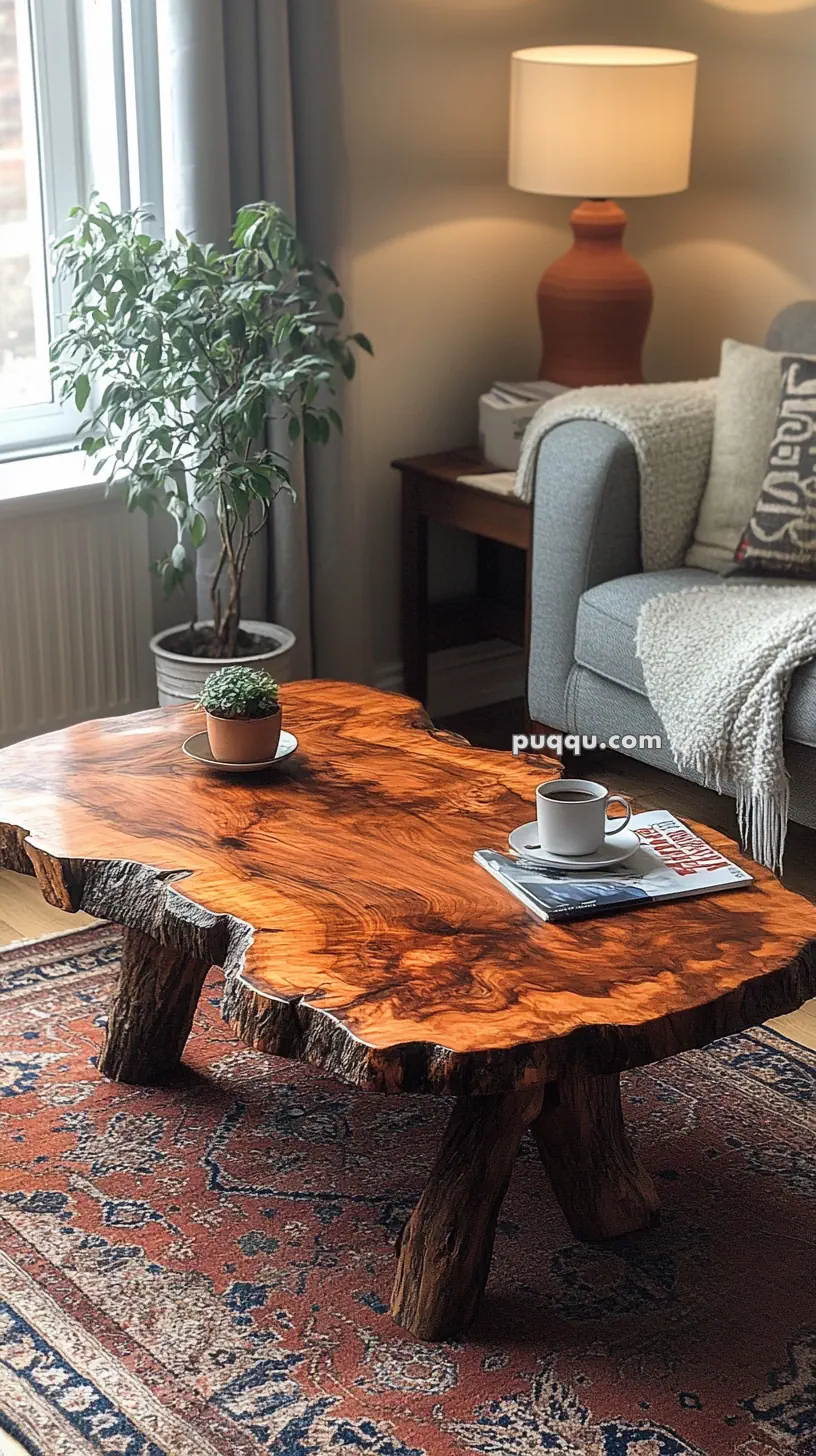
(602, 1187)
(447, 1244)
(151, 1010)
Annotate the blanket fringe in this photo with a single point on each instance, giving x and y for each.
(763, 824)
(761, 815)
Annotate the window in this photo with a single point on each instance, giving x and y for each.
(78, 108)
(41, 176)
(23, 294)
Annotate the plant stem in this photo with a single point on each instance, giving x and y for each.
(227, 636)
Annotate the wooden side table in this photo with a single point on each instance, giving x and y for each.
(431, 491)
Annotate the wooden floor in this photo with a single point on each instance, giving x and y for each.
(24, 914)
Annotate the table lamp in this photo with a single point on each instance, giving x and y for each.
(599, 122)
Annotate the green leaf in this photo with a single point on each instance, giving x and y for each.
(337, 305)
(198, 530)
(311, 426)
(82, 389)
(294, 428)
(255, 416)
(261, 486)
(364, 342)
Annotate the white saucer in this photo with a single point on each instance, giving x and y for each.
(615, 849)
(198, 747)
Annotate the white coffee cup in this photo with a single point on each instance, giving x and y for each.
(572, 816)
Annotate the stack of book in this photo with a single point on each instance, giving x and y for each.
(504, 414)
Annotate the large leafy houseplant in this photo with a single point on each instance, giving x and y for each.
(179, 356)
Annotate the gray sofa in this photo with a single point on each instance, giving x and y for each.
(589, 585)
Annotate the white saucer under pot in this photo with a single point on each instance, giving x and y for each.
(615, 849)
(198, 748)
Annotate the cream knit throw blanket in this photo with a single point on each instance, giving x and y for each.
(670, 428)
(717, 663)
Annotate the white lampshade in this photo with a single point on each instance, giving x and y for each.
(601, 121)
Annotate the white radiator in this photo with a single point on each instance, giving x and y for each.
(75, 612)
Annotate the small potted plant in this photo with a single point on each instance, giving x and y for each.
(243, 715)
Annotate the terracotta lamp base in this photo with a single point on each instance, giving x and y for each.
(594, 304)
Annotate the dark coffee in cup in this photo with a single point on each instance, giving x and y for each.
(570, 796)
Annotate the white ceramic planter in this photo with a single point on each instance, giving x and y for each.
(180, 679)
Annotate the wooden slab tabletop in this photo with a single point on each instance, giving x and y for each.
(358, 933)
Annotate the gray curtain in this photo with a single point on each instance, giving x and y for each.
(250, 110)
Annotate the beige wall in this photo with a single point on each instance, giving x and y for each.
(441, 258)
(444, 257)
(728, 254)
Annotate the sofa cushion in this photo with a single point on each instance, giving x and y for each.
(607, 617)
(747, 401)
(780, 538)
(605, 640)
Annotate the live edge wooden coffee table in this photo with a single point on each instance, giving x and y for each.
(339, 895)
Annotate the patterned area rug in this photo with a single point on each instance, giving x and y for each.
(204, 1269)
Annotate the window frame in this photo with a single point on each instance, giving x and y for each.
(52, 39)
(98, 123)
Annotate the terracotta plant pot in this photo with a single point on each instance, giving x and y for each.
(244, 740)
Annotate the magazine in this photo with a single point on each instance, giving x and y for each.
(671, 863)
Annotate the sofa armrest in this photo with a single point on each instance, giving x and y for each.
(586, 530)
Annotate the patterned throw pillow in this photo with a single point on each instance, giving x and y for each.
(780, 538)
